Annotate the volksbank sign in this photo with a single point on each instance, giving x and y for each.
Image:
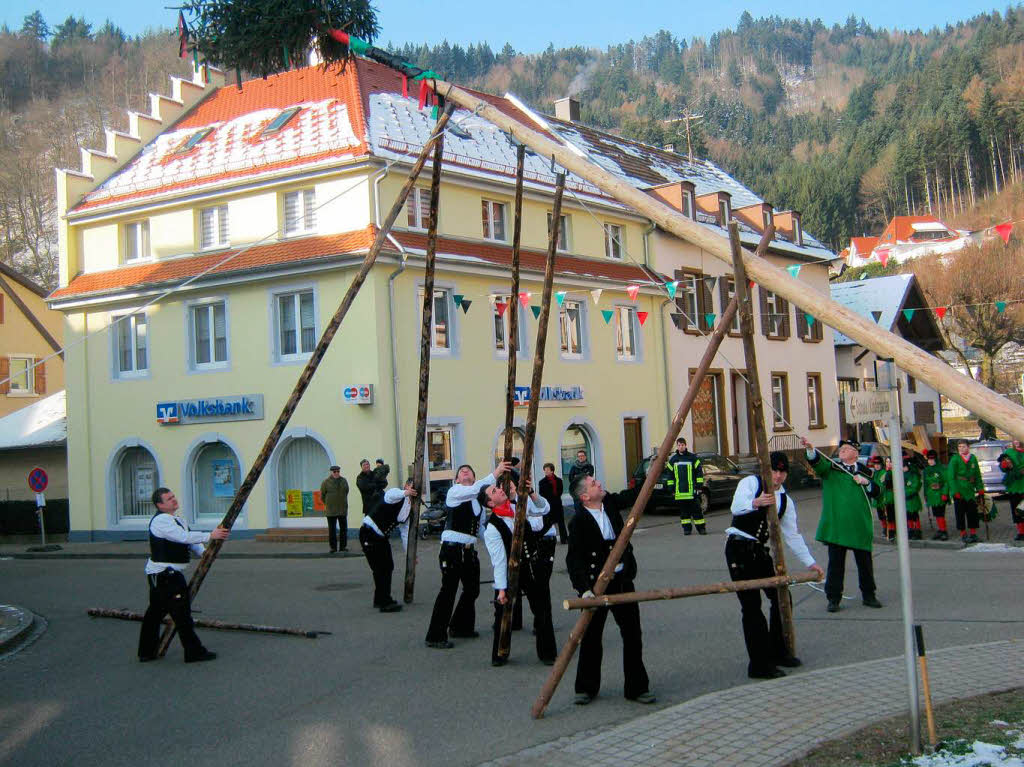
(240, 407)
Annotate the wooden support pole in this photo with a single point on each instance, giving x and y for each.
(726, 587)
(426, 344)
(242, 494)
(208, 623)
(519, 529)
(962, 389)
(576, 635)
(512, 343)
(746, 311)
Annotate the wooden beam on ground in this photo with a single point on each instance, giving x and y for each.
(519, 529)
(653, 473)
(961, 389)
(208, 623)
(746, 311)
(426, 343)
(726, 587)
(242, 494)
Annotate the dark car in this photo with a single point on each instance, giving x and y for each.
(987, 453)
(720, 479)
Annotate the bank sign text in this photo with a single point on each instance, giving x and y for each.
(241, 407)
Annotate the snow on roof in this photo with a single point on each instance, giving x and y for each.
(41, 424)
(884, 294)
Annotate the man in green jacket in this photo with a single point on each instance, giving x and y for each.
(334, 494)
(912, 490)
(881, 478)
(845, 520)
(1012, 464)
(936, 493)
(964, 478)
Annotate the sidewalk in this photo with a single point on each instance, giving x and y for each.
(772, 723)
(234, 549)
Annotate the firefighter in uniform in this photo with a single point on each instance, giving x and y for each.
(1012, 464)
(688, 477)
(936, 493)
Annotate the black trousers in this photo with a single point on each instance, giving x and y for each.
(459, 565)
(965, 510)
(168, 594)
(835, 574)
(690, 512)
(558, 515)
(747, 561)
(332, 533)
(535, 584)
(1015, 515)
(938, 511)
(588, 669)
(377, 549)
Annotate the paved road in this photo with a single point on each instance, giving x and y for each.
(370, 693)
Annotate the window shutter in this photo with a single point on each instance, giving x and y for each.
(783, 305)
(1, 307)
(5, 374)
(222, 225)
(40, 374)
(801, 322)
(309, 209)
(723, 292)
(291, 211)
(766, 326)
(817, 330)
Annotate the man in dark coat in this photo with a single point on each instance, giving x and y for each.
(581, 467)
(334, 494)
(550, 489)
(371, 486)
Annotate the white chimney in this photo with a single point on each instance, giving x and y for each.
(567, 109)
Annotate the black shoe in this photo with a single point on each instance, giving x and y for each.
(200, 657)
(871, 601)
(499, 661)
(393, 607)
(444, 644)
(645, 697)
(583, 699)
(548, 661)
(833, 607)
(789, 661)
(1019, 537)
(941, 535)
(464, 634)
(766, 673)
(148, 658)
(332, 551)
(701, 530)
(973, 539)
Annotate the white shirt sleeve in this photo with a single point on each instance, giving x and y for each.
(461, 493)
(496, 549)
(537, 508)
(394, 494)
(164, 526)
(743, 498)
(791, 533)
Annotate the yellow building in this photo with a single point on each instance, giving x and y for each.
(202, 256)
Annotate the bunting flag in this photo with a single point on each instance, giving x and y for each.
(632, 291)
(679, 320)
(536, 311)
(909, 314)
(596, 294)
(465, 305)
(883, 256)
(182, 36)
(671, 287)
(524, 299)
(709, 283)
(492, 299)
(709, 318)
(1000, 306)
(501, 306)
(1003, 230)
(607, 314)
(794, 270)
(751, 284)
(560, 297)
(457, 297)
(876, 314)
(810, 319)
(642, 316)
(941, 311)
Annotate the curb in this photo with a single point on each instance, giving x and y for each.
(16, 623)
(143, 555)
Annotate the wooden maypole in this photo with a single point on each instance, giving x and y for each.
(426, 330)
(513, 308)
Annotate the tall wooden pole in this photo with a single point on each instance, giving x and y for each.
(513, 308)
(426, 343)
(760, 435)
(519, 529)
(242, 495)
(576, 635)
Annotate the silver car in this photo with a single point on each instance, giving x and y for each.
(987, 453)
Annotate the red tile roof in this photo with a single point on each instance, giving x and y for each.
(900, 228)
(864, 245)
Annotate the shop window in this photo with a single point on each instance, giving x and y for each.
(136, 477)
(215, 478)
(575, 439)
(518, 439)
(303, 465)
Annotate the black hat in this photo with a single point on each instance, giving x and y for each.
(379, 460)
(779, 461)
(849, 442)
(335, 468)
(932, 454)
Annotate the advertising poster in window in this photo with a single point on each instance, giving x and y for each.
(223, 473)
(307, 503)
(293, 503)
(318, 501)
(145, 482)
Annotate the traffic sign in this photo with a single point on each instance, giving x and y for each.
(38, 480)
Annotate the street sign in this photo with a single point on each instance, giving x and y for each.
(865, 406)
(38, 480)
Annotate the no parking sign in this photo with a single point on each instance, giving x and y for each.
(38, 480)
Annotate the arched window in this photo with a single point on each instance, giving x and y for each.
(303, 465)
(215, 478)
(575, 439)
(136, 477)
(518, 436)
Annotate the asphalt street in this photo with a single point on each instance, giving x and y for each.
(371, 693)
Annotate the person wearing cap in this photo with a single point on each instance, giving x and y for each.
(749, 558)
(334, 495)
(845, 522)
(688, 476)
(936, 493)
(875, 463)
(912, 491)
(1012, 464)
(391, 512)
(964, 478)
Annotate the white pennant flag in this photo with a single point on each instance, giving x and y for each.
(596, 293)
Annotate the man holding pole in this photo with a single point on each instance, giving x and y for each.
(391, 512)
(845, 521)
(748, 556)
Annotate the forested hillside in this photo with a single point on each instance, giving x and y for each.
(848, 124)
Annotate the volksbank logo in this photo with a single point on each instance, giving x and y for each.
(245, 407)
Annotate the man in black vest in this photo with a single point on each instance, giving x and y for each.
(535, 566)
(459, 560)
(170, 544)
(391, 512)
(592, 534)
(746, 552)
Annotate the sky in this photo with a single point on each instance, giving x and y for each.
(589, 23)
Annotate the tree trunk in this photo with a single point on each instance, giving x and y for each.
(992, 154)
(970, 176)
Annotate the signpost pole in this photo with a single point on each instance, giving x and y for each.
(37, 482)
(40, 506)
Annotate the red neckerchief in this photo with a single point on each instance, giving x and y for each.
(967, 459)
(505, 510)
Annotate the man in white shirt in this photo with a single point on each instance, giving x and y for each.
(748, 556)
(459, 560)
(391, 512)
(170, 546)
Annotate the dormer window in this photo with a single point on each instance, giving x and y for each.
(723, 211)
(688, 203)
(766, 217)
(280, 121)
(188, 144)
(798, 235)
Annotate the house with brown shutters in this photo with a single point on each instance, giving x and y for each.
(30, 336)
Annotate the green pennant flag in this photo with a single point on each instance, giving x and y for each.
(536, 311)
(810, 319)
(457, 297)
(709, 318)
(560, 296)
(909, 314)
(607, 314)
(465, 303)
(1000, 306)
(794, 270)
(671, 288)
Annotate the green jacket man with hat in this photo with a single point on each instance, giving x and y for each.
(334, 494)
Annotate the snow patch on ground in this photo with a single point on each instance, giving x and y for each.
(990, 547)
(977, 754)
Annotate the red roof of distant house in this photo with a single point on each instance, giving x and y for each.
(863, 245)
(900, 228)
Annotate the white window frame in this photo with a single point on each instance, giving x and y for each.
(564, 232)
(780, 401)
(766, 218)
(29, 373)
(208, 304)
(689, 285)
(776, 319)
(581, 323)
(295, 291)
(136, 233)
(132, 322)
(513, 306)
(613, 241)
(798, 234)
(488, 224)
(305, 222)
(625, 316)
(814, 401)
(688, 203)
(220, 227)
(735, 327)
(724, 211)
(448, 292)
(417, 208)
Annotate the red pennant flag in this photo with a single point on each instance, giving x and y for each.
(642, 316)
(941, 311)
(1003, 230)
(524, 299)
(182, 36)
(424, 92)
(751, 284)
(501, 306)
(883, 256)
(632, 291)
(405, 87)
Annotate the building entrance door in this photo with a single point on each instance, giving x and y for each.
(632, 430)
(742, 420)
(707, 422)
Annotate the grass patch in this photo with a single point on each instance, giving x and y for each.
(957, 725)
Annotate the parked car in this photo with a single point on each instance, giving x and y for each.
(988, 453)
(720, 479)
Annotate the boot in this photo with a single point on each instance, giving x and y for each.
(687, 527)
(942, 535)
(701, 529)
